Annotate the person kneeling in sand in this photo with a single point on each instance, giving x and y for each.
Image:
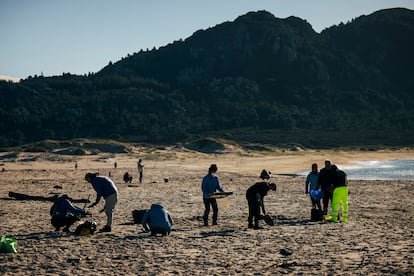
(64, 213)
(255, 195)
(157, 220)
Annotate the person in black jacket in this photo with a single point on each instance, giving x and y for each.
(340, 195)
(255, 195)
(325, 180)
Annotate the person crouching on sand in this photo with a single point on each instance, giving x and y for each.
(64, 213)
(210, 185)
(157, 220)
(105, 188)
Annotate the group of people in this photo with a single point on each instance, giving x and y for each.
(254, 195)
(330, 184)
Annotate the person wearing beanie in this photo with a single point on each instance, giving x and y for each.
(311, 184)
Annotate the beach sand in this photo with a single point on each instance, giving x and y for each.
(377, 240)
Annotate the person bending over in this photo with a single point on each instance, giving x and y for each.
(255, 195)
(157, 220)
(64, 213)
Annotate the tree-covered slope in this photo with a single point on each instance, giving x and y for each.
(258, 73)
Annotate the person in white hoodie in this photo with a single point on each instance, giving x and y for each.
(157, 220)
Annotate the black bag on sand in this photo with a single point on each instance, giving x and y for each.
(138, 215)
(316, 215)
(86, 228)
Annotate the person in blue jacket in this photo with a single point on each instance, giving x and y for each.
(105, 188)
(157, 220)
(210, 185)
(64, 213)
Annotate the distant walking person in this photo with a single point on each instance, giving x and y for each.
(105, 188)
(310, 185)
(340, 195)
(140, 170)
(210, 185)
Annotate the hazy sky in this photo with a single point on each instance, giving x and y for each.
(52, 37)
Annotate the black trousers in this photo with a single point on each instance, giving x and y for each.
(327, 195)
(207, 203)
(254, 210)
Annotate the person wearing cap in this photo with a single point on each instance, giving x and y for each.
(105, 188)
(210, 185)
(255, 195)
(325, 180)
(64, 213)
(339, 195)
(310, 185)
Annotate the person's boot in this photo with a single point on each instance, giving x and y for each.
(250, 225)
(256, 226)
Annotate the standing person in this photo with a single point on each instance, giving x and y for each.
(157, 220)
(64, 213)
(105, 188)
(312, 182)
(325, 179)
(210, 185)
(140, 170)
(340, 195)
(255, 195)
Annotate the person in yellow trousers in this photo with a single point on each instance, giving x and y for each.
(340, 195)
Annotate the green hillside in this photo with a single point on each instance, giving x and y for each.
(258, 78)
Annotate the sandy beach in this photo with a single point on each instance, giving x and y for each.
(377, 240)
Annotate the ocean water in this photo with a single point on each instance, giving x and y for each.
(396, 169)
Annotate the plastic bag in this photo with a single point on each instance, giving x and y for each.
(8, 244)
(316, 194)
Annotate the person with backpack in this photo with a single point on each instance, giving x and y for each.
(255, 195)
(157, 220)
(210, 185)
(105, 188)
(64, 213)
(339, 195)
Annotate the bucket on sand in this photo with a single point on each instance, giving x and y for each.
(166, 179)
(223, 203)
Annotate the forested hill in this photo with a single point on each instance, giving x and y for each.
(258, 78)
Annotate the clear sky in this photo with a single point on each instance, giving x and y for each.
(52, 37)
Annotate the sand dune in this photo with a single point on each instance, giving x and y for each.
(378, 239)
